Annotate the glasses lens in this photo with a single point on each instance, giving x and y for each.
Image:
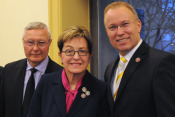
(69, 52)
(82, 52)
(113, 28)
(32, 43)
(72, 52)
(29, 43)
(41, 43)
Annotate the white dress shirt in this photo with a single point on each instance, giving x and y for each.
(127, 57)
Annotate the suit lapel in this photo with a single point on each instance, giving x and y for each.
(132, 65)
(110, 72)
(20, 70)
(59, 95)
(79, 101)
(113, 68)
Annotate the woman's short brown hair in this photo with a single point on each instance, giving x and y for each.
(74, 31)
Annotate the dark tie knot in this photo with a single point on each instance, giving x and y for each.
(33, 70)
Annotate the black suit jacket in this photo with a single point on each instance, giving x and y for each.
(11, 92)
(1, 68)
(49, 99)
(147, 88)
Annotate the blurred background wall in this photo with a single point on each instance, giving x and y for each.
(14, 16)
(57, 14)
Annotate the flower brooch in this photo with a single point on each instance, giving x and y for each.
(85, 92)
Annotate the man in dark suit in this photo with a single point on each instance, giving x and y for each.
(16, 75)
(142, 83)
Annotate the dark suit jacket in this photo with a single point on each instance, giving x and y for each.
(49, 99)
(147, 88)
(1, 68)
(11, 93)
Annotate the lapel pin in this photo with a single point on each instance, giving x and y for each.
(137, 59)
(83, 95)
(84, 89)
(87, 93)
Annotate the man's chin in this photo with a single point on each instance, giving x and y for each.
(34, 63)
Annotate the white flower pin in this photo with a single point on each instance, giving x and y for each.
(84, 89)
(85, 92)
(83, 95)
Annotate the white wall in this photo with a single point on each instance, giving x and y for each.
(14, 16)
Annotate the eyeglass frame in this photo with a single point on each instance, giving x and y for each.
(122, 26)
(33, 43)
(74, 52)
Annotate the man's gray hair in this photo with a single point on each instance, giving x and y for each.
(36, 25)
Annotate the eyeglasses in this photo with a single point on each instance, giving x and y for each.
(31, 43)
(123, 26)
(72, 52)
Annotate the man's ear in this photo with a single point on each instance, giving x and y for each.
(60, 55)
(106, 31)
(139, 25)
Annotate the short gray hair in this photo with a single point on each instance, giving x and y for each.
(36, 25)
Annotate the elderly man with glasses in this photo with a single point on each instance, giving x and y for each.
(20, 78)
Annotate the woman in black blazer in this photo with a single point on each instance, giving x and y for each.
(72, 92)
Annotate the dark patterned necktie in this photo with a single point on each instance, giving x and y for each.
(29, 92)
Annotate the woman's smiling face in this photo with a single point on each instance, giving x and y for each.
(75, 64)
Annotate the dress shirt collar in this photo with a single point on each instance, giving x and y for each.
(41, 67)
(130, 54)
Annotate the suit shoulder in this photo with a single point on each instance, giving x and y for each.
(112, 62)
(111, 66)
(50, 79)
(1, 68)
(53, 75)
(54, 66)
(160, 54)
(16, 63)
